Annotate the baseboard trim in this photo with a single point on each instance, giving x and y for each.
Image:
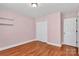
(69, 45)
(21, 43)
(14, 45)
(58, 45)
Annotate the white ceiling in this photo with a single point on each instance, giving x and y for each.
(42, 9)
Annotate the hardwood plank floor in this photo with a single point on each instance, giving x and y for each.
(37, 48)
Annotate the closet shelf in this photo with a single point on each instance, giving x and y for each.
(4, 18)
(6, 24)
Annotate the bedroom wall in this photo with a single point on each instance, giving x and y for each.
(54, 27)
(23, 29)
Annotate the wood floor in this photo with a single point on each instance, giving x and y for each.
(38, 48)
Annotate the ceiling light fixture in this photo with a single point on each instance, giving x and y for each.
(34, 5)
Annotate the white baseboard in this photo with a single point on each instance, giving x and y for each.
(14, 45)
(69, 45)
(58, 45)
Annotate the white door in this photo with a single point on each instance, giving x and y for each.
(70, 31)
(78, 32)
(41, 31)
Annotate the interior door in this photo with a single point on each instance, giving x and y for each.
(78, 32)
(70, 31)
(41, 31)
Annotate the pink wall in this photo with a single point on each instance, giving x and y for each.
(23, 29)
(54, 28)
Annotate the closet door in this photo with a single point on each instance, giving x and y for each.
(70, 31)
(78, 32)
(41, 31)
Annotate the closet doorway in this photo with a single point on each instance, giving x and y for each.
(41, 31)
